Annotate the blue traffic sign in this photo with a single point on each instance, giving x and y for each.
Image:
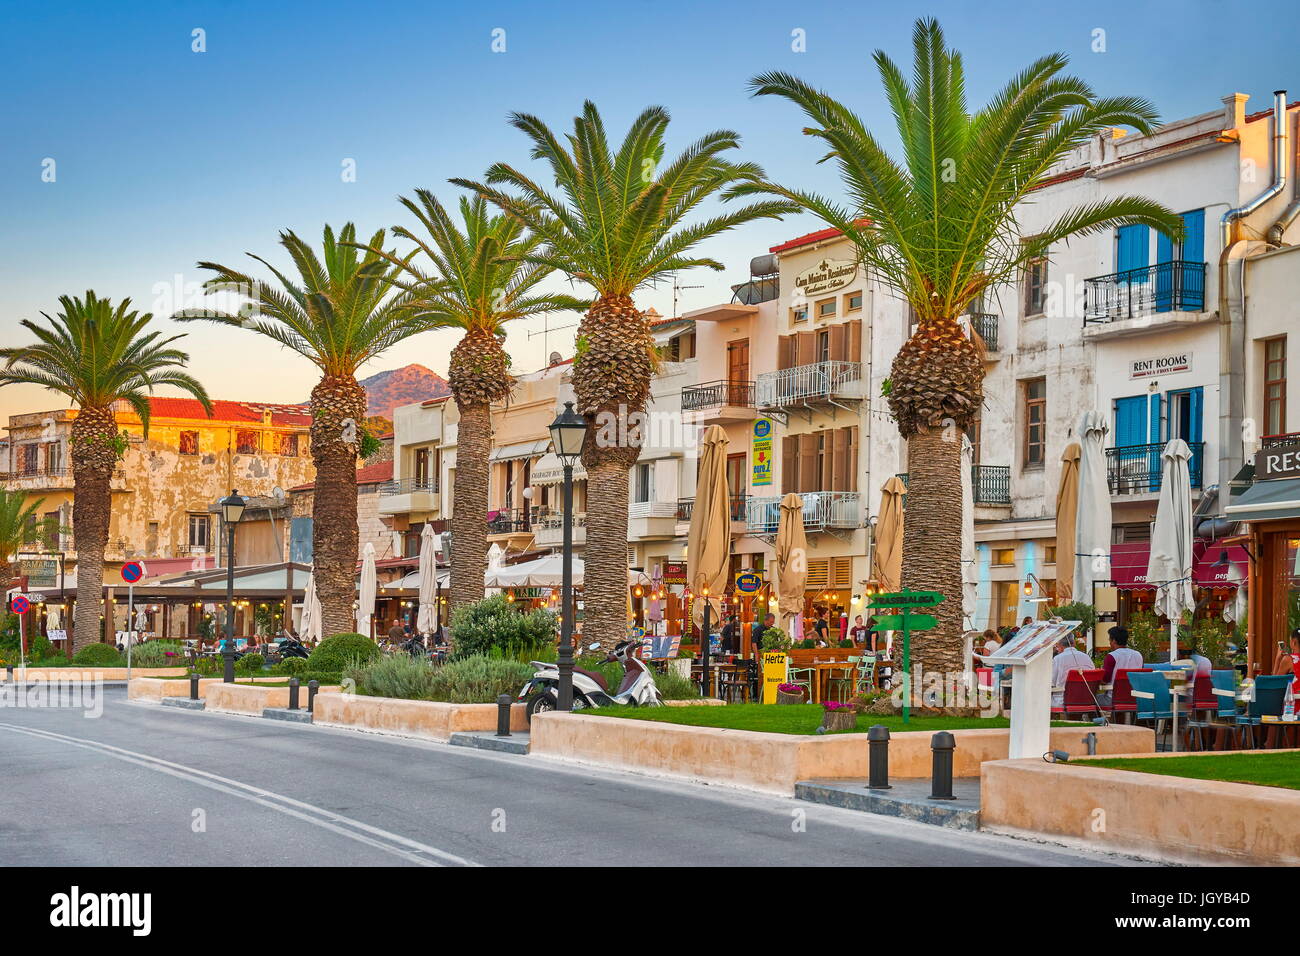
(20, 604)
(132, 572)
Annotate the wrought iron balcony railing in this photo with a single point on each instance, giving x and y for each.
(717, 394)
(1135, 469)
(405, 486)
(738, 507)
(822, 511)
(986, 325)
(989, 484)
(508, 521)
(1176, 286)
(805, 384)
(1283, 438)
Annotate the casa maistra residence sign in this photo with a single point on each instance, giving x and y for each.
(1155, 366)
(828, 275)
(1280, 461)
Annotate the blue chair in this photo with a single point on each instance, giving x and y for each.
(1151, 694)
(1269, 699)
(1223, 684)
(1158, 667)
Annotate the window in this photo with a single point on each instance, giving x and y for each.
(1035, 422)
(289, 446)
(1002, 557)
(1049, 554)
(54, 458)
(246, 443)
(853, 302)
(29, 461)
(30, 532)
(422, 470)
(826, 309)
(974, 431)
(799, 313)
(1035, 285)
(643, 487)
(200, 526)
(1275, 386)
(824, 345)
(188, 443)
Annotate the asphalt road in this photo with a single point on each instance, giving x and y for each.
(145, 785)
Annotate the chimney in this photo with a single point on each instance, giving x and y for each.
(1234, 110)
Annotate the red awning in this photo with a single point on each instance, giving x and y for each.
(1207, 576)
(1128, 564)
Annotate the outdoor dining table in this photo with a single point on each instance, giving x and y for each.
(823, 672)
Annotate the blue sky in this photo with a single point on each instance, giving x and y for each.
(165, 156)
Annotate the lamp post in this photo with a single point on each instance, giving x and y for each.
(232, 509)
(568, 432)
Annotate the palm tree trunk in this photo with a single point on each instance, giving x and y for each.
(604, 585)
(932, 546)
(470, 506)
(93, 460)
(334, 504)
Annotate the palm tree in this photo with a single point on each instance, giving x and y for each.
(617, 225)
(97, 355)
(940, 226)
(339, 313)
(479, 282)
(17, 518)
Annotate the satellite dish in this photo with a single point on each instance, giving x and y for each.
(278, 494)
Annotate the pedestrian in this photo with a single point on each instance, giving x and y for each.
(859, 631)
(396, 634)
(756, 632)
(731, 635)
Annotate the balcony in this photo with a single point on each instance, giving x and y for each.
(721, 401)
(407, 495)
(548, 529)
(989, 484)
(985, 324)
(1153, 294)
(53, 479)
(509, 521)
(739, 508)
(1285, 438)
(1135, 469)
(822, 511)
(807, 386)
(648, 520)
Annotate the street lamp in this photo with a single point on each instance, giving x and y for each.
(232, 509)
(568, 432)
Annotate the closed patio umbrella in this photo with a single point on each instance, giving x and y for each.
(708, 545)
(368, 590)
(426, 618)
(1169, 567)
(888, 558)
(309, 625)
(1067, 510)
(791, 562)
(1092, 521)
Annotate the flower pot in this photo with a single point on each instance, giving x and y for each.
(839, 720)
(783, 698)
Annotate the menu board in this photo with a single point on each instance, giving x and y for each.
(1030, 641)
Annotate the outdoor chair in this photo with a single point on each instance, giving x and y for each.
(1080, 696)
(845, 681)
(803, 676)
(1223, 717)
(1121, 694)
(1153, 699)
(735, 684)
(1269, 699)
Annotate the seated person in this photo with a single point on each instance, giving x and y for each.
(1121, 657)
(1068, 658)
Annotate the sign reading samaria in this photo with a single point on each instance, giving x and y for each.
(827, 276)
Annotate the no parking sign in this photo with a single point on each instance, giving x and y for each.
(132, 571)
(20, 604)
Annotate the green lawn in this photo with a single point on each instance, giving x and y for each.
(1264, 769)
(785, 718)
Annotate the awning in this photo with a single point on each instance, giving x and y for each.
(1206, 575)
(549, 470)
(1267, 501)
(1128, 564)
(520, 449)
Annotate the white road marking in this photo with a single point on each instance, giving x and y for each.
(394, 843)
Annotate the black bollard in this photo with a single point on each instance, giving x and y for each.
(194, 686)
(312, 687)
(293, 693)
(503, 715)
(878, 757)
(10, 669)
(942, 744)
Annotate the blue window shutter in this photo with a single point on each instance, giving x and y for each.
(1134, 243)
(1194, 239)
(1131, 420)
(1164, 273)
(1153, 429)
(1191, 284)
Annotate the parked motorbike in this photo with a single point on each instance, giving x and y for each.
(590, 689)
(291, 647)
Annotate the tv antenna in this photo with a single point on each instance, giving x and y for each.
(677, 293)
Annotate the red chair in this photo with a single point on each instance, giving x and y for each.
(1121, 694)
(1081, 690)
(984, 678)
(1203, 696)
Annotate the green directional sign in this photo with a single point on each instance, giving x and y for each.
(906, 599)
(911, 622)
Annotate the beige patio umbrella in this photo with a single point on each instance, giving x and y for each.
(1067, 510)
(791, 561)
(708, 546)
(887, 564)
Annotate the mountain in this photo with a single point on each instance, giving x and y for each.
(402, 386)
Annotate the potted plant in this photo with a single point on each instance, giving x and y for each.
(789, 693)
(837, 716)
(774, 639)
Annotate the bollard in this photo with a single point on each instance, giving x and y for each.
(194, 686)
(1091, 741)
(878, 757)
(312, 687)
(503, 715)
(10, 669)
(293, 693)
(942, 744)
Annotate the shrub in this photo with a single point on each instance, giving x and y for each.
(98, 655)
(155, 654)
(1076, 611)
(398, 675)
(250, 664)
(494, 626)
(847, 642)
(290, 666)
(1145, 635)
(478, 679)
(775, 639)
(1210, 638)
(342, 650)
(673, 686)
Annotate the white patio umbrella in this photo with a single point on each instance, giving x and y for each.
(1092, 516)
(368, 590)
(543, 572)
(495, 556)
(1234, 611)
(1169, 567)
(426, 618)
(309, 625)
(969, 573)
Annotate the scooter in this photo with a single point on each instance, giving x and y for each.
(637, 688)
(291, 647)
